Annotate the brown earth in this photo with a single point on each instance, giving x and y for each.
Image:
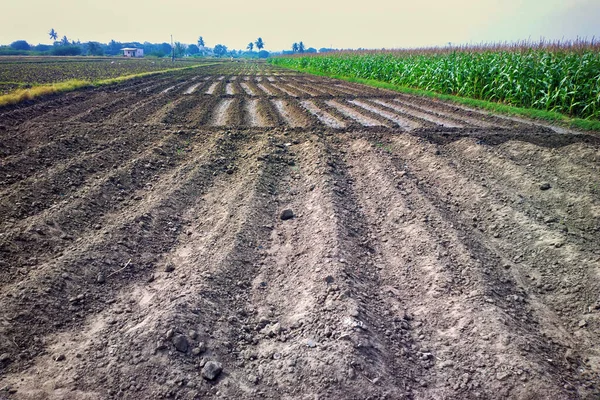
(434, 253)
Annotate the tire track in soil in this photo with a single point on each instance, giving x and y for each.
(143, 235)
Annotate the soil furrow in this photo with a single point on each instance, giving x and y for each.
(221, 113)
(423, 119)
(326, 118)
(557, 281)
(46, 234)
(55, 147)
(142, 237)
(464, 269)
(353, 113)
(431, 251)
(404, 123)
(57, 182)
(292, 114)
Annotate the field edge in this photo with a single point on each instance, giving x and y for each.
(35, 92)
(539, 115)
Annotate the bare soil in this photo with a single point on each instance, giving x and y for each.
(434, 252)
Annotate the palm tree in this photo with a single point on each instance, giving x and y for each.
(200, 42)
(259, 44)
(301, 47)
(250, 46)
(53, 34)
(64, 41)
(295, 47)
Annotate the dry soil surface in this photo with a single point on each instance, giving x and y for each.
(433, 252)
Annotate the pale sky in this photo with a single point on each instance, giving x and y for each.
(318, 23)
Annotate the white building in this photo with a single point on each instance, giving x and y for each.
(132, 52)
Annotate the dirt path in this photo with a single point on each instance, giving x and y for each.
(434, 252)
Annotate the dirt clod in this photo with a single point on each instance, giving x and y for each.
(181, 343)
(211, 370)
(286, 214)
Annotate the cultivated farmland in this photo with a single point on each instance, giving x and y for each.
(20, 72)
(432, 251)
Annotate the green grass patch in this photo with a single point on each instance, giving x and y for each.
(540, 115)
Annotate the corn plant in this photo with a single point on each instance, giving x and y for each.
(552, 77)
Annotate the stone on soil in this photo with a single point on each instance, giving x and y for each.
(181, 343)
(287, 214)
(211, 370)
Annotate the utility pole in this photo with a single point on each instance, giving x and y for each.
(172, 50)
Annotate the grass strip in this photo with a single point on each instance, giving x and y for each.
(34, 92)
(540, 115)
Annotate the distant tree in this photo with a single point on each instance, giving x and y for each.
(66, 50)
(193, 49)
(200, 42)
(42, 48)
(295, 47)
(259, 44)
(301, 47)
(20, 45)
(180, 49)
(220, 50)
(250, 46)
(65, 41)
(311, 50)
(53, 34)
(325, 50)
(94, 49)
(164, 48)
(114, 48)
(263, 54)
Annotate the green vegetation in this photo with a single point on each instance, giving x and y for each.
(556, 79)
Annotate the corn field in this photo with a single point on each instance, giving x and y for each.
(551, 79)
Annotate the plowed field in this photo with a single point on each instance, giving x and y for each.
(434, 252)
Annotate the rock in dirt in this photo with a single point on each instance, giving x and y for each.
(545, 186)
(181, 343)
(60, 357)
(212, 370)
(101, 278)
(169, 267)
(287, 214)
(4, 358)
(201, 348)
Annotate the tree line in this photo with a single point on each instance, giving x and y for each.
(64, 46)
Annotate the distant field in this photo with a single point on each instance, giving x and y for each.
(557, 77)
(23, 72)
